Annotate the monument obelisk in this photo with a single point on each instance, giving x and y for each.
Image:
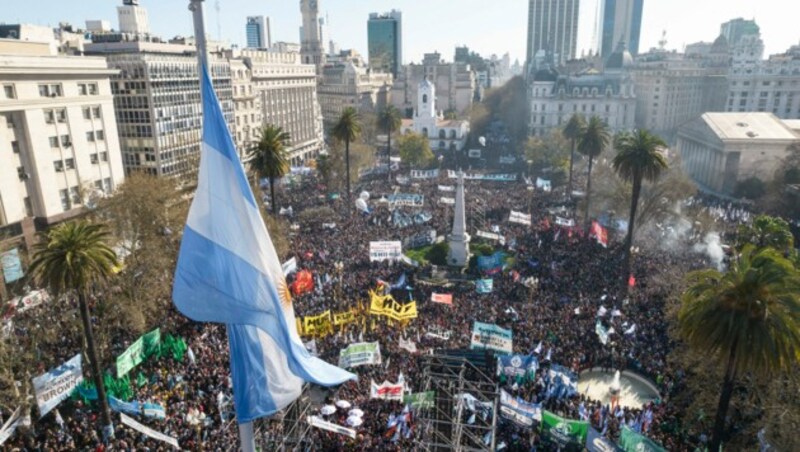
(458, 240)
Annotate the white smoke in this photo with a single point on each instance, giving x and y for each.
(712, 247)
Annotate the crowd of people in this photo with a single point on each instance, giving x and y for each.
(577, 278)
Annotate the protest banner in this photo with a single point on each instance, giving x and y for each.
(563, 382)
(447, 188)
(630, 441)
(405, 200)
(143, 347)
(344, 318)
(54, 386)
(484, 285)
(484, 177)
(303, 283)
(491, 236)
(601, 331)
(491, 264)
(444, 298)
(520, 368)
(387, 306)
(447, 201)
(289, 267)
(595, 442)
(12, 266)
(148, 431)
(564, 432)
(29, 300)
(360, 354)
(519, 218)
(318, 422)
(420, 240)
(386, 391)
(420, 400)
(438, 333)
(408, 261)
(424, 174)
(407, 345)
(492, 337)
(566, 222)
(543, 184)
(318, 325)
(385, 250)
(519, 411)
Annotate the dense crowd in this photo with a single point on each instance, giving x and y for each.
(577, 277)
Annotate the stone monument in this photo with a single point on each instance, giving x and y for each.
(458, 240)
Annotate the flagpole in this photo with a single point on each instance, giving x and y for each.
(246, 434)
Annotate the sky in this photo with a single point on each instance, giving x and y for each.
(488, 27)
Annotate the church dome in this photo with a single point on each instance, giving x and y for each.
(545, 75)
(620, 58)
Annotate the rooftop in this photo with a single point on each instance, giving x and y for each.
(749, 126)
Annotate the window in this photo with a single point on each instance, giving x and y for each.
(100, 135)
(49, 116)
(15, 147)
(64, 199)
(53, 142)
(107, 185)
(75, 195)
(93, 89)
(50, 90)
(82, 89)
(44, 91)
(8, 90)
(104, 156)
(61, 115)
(87, 113)
(59, 166)
(90, 136)
(98, 184)
(65, 141)
(96, 112)
(69, 163)
(93, 158)
(21, 173)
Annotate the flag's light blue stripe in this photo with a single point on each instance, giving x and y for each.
(218, 137)
(253, 399)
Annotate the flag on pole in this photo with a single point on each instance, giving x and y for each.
(599, 233)
(228, 272)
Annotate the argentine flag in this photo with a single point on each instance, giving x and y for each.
(228, 272)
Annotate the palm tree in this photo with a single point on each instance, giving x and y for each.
(347, 129)
(749, 318)
(268, 157)
(70, 259)
(593, 140)
(766, 231)
(572, 132)
(389, 119)
(638, 158)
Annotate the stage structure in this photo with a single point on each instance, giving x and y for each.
(464, 415)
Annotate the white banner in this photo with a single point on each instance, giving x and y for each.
(381, 251)
(565, 222)
(289, 266)
(360, 354)
(543, 184)
(386, 391)
(446, 188)
(148, 431)
(53, 387)
(449, 201)
(491, 236)
(30, 300)
(408, 345)
(519, 217)
(424, 174)
(438, 333)
(10, 426)
(518, 410)
(318, 422)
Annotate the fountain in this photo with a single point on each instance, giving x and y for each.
(619, 388)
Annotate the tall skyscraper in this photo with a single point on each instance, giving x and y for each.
(621, 22)
(312, 48)
(385, 41)
(552, 28)
(734, 30)
(258, 32)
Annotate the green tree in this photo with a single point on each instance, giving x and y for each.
(572, 132)
(347, 129)
(268, 157)
(71, 259)
(546, 152)
(766, 231)
(638, 159)
(389, 120)
(415, 149)
(593, 140)
(748, 318)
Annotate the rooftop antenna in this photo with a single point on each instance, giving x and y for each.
(662, 43)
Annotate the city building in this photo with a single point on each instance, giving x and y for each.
(58, 136)
(771, 85)
(285, 47)
(455, 83)
(276, 88)
(719, 150)
(443, 134)
(553, 28)
(555, 97)
(672, 88)
(257, 32)
(348, 82)
(133, 18)
(621, 22)
(734, 30)
(385, 41)
(312, 40)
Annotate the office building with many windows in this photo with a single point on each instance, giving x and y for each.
(552, 28)
(348, 82)
(385, 41)
(621, 22)
(257, 32)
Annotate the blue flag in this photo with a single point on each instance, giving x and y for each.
(228, 272)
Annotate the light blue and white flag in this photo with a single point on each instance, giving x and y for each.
(228, 272)
(484, 285)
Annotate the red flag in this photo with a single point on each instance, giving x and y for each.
(599, 233)
(444, 298)
(304, 282)
(631, 281)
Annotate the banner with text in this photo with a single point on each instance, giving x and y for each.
(520, 368)
(318, 325)
(53, 387)
(322, 424)
(519, 218)
(360, 354)
(484, 285)
(564, 432)
(386, 250)
(519, 411)
(386, 391)
(420, 400)
(387, 306)
(406, 199)
(148, 431)
(492, 337)
(444, 298)
(424, 174)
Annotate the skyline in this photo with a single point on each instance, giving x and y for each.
(487, 31)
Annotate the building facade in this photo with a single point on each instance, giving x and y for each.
(258, 32)
(276, 88)
(552, 27)
(719, 150)
(621, 22)
(771, 85)
(133, 18)
(443, 135)
(58, 136)
(312, 42)
(455, 84)
(672, 88)
(734, 30)
(385, 41)
(348, 82)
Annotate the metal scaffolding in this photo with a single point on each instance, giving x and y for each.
(452, 425)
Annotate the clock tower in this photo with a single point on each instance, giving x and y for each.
(311, 45)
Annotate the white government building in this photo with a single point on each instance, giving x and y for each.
(443, 134)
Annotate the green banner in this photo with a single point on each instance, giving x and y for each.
(564, 432)
(424, 400)
(631, 441)
(138, 351)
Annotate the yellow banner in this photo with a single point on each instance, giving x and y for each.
(319, 325)
(387, 306)
(344, 318)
